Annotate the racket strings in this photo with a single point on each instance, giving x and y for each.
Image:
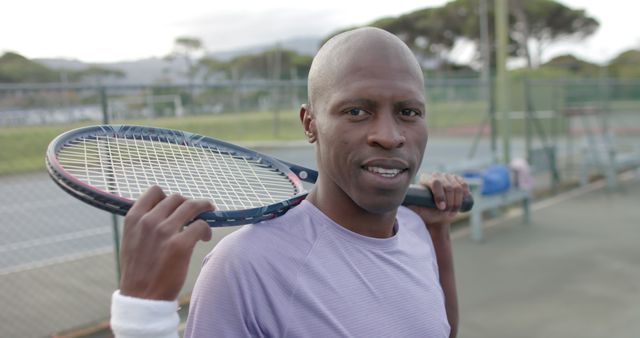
(127, 167)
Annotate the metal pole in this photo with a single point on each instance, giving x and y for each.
(114, 218)
(275, 93)
(528, 119)
(502, 88)
(485, 73)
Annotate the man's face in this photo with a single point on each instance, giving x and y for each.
(371, 132)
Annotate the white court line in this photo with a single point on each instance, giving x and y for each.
(53, 239)
(22, 206)
(54, 261)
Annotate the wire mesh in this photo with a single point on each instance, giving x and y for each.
(57, 260)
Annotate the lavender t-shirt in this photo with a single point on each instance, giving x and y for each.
(303, 275)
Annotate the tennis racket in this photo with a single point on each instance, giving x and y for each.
(110, 166)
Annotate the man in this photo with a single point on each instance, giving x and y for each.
(349, 261)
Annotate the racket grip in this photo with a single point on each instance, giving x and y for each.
(421, 196)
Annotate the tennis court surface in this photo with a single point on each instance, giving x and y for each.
(573, 272)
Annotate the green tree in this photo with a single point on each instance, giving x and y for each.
(433, 32)
(97, 74)
(15, 68)
(274, 64)
(186, 48)
(212, 67)
(430, 32)
(545, 22)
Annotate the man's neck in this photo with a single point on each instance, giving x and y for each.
(345, 212)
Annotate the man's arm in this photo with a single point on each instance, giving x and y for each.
(442, 245)
(155, 253)
(448, 192)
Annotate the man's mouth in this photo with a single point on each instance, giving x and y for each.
(387, 168)
(384, 172)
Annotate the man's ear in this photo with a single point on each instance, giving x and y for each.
(308, 120)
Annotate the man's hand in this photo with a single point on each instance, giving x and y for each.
(448, 191)
(156, 247)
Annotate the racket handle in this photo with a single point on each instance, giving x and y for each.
(421, 196)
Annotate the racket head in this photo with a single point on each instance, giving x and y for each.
(105, 166)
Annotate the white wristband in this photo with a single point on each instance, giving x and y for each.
(140, 318)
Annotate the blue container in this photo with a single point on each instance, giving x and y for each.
(495, 179)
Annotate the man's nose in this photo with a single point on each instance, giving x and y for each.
(386, 132)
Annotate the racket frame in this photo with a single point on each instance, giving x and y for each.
(110, 202)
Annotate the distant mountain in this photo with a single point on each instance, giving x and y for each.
(70, 64)
(141, 71)
(154, 70)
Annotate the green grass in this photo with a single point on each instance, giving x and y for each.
(251, 126)
(452, 114)
(22, 148)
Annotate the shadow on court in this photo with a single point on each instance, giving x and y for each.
(573, 272)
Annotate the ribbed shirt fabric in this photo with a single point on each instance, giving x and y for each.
(303, 275)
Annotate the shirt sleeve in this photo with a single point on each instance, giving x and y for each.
(222, 302)
(141, 318)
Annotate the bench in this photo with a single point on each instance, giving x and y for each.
(492, 203)
(608, 158)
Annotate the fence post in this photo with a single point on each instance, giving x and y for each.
(502, 77)
(114, 218)
(528, 111)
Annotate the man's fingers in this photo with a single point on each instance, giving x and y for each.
(450, 193)
(463, 184)
(160, 212)
(146, 202)
(186, 212)
(457, 198)
(448, 190)
(197, 231)
(436, 185)
(463, 190)
(167, 206)
(182, 244)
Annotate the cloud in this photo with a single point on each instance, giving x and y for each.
(232, 29)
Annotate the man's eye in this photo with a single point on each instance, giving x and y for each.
(356, 112)
(410, 112)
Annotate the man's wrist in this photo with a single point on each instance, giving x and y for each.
(137, 317)
(439, 228)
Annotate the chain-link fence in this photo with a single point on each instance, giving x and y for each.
(57, 260)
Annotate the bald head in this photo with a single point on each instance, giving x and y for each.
(349, 50)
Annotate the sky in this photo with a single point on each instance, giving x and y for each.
(119, 30)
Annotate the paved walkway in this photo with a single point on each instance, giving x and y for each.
(573, 272)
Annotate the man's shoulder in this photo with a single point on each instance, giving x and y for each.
(289, 236)
(413, 223)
